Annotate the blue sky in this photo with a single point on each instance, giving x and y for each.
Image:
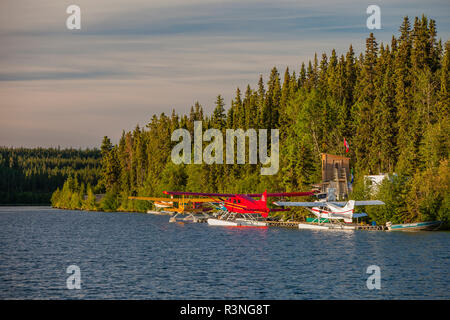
(134, 58)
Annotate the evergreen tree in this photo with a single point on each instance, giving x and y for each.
(218, 117)
(364, 115)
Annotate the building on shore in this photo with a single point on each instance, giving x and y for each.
(336, 175)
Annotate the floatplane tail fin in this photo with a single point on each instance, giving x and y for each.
(350, 205)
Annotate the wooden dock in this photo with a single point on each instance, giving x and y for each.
(370, 227)
(286, 224)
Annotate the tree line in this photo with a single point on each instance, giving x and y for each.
(31, 175)
(391, 103)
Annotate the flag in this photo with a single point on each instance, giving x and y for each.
(346, 146)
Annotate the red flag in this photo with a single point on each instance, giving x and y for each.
(346, 146)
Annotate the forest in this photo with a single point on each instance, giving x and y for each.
(30, 176)
(390, 103)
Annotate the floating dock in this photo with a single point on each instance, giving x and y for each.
(285, 224)
(370, 227)
(295, 224)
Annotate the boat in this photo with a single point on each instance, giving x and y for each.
(415, 226)
(238, 222)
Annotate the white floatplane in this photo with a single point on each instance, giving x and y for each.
(330, 215)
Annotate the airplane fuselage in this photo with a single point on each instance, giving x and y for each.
(247, 205)
(338, 213)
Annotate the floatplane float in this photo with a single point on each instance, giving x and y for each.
(331, 215)
(240, 210)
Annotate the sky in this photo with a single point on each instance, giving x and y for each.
(135, 58)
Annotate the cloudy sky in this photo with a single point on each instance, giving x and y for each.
(134, 58)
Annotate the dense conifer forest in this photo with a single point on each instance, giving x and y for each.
(30, 176)
(391, 103)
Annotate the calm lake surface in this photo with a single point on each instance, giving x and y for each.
(140, 256)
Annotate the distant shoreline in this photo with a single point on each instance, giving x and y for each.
(100, 209)
(25, 205)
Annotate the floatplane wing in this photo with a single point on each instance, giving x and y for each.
(369, 203)
(299, 204)
(359, 203)
(324, 204)
(185, 200)
(252, 195)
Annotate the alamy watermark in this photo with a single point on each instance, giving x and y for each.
(73, 22)
(74, 280)
(374, 20)
(213, 152)
(374, 280)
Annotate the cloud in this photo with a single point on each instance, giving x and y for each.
(136, 58)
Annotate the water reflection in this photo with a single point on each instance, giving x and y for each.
(139, 256)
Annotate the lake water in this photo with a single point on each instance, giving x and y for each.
(140, 256)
